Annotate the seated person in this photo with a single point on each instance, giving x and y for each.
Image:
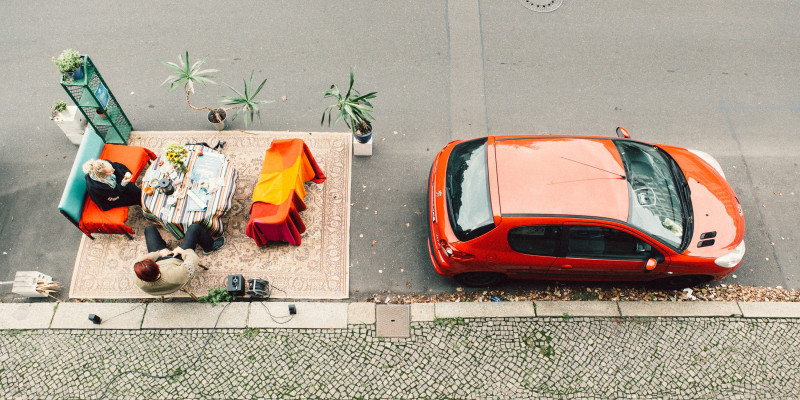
(107, 183)
(163, 271)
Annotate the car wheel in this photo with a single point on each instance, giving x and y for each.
(478, 279)
(683, 281)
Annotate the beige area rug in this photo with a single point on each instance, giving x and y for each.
(317, 269)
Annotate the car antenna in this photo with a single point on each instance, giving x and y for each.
(592, 166)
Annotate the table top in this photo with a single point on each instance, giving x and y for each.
(202, 194)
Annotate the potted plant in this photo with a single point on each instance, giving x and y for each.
(244, 102)
(186, 74)
(58, 107)
(70, 64)
(69, 120)
(353, 107)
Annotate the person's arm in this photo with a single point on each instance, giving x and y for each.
(100, 193)
(189, 256)
(122, 173)
(154, 255)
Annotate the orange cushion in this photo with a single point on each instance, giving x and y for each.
(93, 218)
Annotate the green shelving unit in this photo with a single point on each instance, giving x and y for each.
(91, 92)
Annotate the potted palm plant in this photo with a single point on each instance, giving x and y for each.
(70, 64)
(353, 107)
(244, 102)
(187, 74)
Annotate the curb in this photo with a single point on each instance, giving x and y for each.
(338, 315)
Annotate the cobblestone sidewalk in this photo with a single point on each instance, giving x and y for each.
(490, 358)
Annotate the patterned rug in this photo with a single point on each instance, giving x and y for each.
(317, 269)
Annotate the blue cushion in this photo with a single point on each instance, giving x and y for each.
(72, 199)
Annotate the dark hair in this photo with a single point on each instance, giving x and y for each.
(147, 270)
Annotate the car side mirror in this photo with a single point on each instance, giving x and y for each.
(622, 132)
(650, 265)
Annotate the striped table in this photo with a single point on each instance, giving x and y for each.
(177, 218)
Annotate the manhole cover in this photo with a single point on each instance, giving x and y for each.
(542, 5)
(392, 320)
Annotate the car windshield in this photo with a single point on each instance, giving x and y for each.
(659, 201)
(467, 185)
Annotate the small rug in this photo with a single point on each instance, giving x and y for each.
(317, 269)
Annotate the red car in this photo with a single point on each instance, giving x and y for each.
(581, 208)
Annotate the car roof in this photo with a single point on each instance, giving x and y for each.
(560, 175)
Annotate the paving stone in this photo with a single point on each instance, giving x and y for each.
(770, 310)
(26, 315)
(112, 315)
(576, 308)
(309, 315)
(195, 315)
(500, 309)
(423, 312)
(679, 309)
(361, 313)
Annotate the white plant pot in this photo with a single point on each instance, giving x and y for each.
(362, 149)
(71, 123)
(219, 125)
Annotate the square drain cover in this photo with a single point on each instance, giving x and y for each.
(392, 320)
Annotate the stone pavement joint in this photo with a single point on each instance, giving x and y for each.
(472, 358)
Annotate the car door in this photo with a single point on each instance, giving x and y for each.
(534, 248)
(603, 252)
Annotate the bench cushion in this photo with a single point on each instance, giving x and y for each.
(113, 221)
(71, 204)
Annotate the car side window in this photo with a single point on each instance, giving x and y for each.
(602, 242)
(539, 240)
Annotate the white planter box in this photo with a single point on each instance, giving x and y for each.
(25, 283)
(71, 123)
(362, 149)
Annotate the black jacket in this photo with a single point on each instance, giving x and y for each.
(99, 192)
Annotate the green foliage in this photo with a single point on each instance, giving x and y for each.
(354, 108)
(59, 106)
(584, 296)
(541, 341)
(450, 321)
(244, 102)
(69, 60)
(187, 74)
(566, 316)
(250, 332)
(217, 295)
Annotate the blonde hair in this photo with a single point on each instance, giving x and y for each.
(96, 168)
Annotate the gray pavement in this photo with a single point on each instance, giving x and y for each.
(452, 351)
(719, 77)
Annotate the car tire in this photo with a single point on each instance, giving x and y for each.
(480, 278)
(683, 281)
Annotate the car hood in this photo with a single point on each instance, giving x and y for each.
(716, 208)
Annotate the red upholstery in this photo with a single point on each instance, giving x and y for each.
(272, 223)
(278, 195)
(93, 218)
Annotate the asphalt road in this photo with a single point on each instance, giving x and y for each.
(716, 76)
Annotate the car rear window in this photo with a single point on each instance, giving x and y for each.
(467, 185)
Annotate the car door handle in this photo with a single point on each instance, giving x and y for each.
(566, 266)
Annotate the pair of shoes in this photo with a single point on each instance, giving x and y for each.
(218, 242)
(220, 144)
